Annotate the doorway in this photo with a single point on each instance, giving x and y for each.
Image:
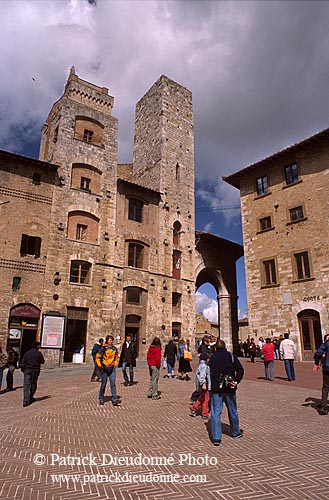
(310, 332)
(132, 327)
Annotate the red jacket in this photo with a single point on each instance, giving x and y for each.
(268, 351)
(154, 356)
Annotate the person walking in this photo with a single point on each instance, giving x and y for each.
(96, 375)
(128, 360)
(30, 366)
(252, 350)
(268, 353)
(321, 357)
(154, 363)
(184, 365)
(3, 363)
(226, 372)
(170, 355)
(12, 365)
(107, 360)
(287, 353)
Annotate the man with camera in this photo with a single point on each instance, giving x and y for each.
(226, 372)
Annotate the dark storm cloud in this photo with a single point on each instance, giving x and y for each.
(258, 71)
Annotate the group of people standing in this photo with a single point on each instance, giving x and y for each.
(287, 354)
(106, 360)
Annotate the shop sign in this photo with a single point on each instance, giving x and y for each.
(52, 332)
(25, 311)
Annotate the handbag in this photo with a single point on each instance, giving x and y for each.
(187, 355)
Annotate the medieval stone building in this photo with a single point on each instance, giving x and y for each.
(91, 246)
(284, 203)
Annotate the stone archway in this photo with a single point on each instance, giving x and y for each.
(216, 264)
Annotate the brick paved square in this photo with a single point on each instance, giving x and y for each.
(65, 446)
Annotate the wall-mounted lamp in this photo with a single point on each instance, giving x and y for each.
(104, 284)
(57, 278)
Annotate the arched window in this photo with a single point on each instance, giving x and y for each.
(89, 130)
(80, 272)
(176, 232)
(82, 226)
(86, 178)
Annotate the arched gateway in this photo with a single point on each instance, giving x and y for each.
(216, 264)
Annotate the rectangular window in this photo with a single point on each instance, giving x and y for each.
(81, 233)
(135, 255)
(133, 295)
(30, 245)
(265, 223)
(16, 283)
(296, 213)
(302, 265)
(291, 173)
(36, 179)
(80, 272)
(85, 184)
(88, 135)
(177, 262)
(135, 210)
(176, 299)
(269, 272)
(262, 185)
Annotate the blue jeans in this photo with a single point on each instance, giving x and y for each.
(269, 370)
(290, 370)
(216, 406)
(170, 368)
(125, 364)
(112, 377)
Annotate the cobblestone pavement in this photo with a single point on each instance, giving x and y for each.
(283, 455)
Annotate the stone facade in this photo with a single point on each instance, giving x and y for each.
(118, 243)
(284, 203)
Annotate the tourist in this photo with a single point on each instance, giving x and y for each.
(154, 363)
(202, 385)
(107, 360)
(30, 366)
(184, 366)
(96, 375)
(268, 357)
(287, 353)
(321, 357)
(128, 359)
(170, 355)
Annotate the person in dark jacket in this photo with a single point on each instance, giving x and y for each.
(30, 366)
(205, 347)
(170, 355)
(12, 365)
(321, 357)
(154, 363)
(128, 359)
(222, 363)
(97, 375)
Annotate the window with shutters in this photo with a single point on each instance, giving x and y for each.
(135, 209)
(30, 245)
(177, 262)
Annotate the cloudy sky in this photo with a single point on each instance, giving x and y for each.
(258, 72)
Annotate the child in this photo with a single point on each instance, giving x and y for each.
(202, 380)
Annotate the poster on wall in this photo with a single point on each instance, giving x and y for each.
(52, 332)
